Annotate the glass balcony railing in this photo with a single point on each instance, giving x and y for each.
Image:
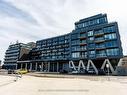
(100, 55)
(82, 36)
(100, 46)
(99, 32)
(83, 42)
(100, 39)
(12, 54)
(11, 51)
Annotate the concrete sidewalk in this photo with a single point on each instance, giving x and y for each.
(30, 85)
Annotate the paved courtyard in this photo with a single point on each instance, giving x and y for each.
(30, 85)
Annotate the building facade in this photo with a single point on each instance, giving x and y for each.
(14, 53)
(93, 38)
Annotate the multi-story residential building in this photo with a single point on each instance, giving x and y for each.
(15, 52)
(93, 38)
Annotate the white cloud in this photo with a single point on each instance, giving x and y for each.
(31, 20)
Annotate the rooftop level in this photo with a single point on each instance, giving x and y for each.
(90, 21)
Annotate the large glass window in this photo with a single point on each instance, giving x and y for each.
(100, 45)
(91, 46)
(112, 52)
(79, 26)
(75, 55)
(90, 33)
(101, 53)
(92, 53)
(74, 36)
(99, 31)
(109, 29)
(82, 41)
(99, 38)
(83, 54)
(90, 39)
(111, 44)
(83, 35)
(75, 48)
(74, 42)
(83, 48)
(110, 36)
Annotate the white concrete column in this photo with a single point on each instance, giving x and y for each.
(26, 66)
(81, 64)
(36, 67)
(57, 66)
(30, 66)
(107, 62)
(72, 65)
(42, 66)
(48, 66)
(21, 66)
(16, 66)
(90, 62)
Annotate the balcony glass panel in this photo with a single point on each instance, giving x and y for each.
(109, 29)
(112, 52)
(110, 36)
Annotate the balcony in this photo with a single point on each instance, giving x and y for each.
(83, 42)
(12, 51)
(101, 55)
(99, 40)
(10, 61)
(7, 58)
(99, 33)
(12, 54)
(83, 56)
(91, 55)
(99, 47)
(82, 36)
(83, 49)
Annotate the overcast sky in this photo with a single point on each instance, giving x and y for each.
(32, 20)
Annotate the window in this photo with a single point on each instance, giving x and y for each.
(112, 52)
(74, 42)
(74, 36)
(98, 21)
(83, 35)
(109, 29)
(91, 46)
(79, 25)
(101, 53)
(99, 38)
(111, 44)
(61, 38)
(75, 55)
(76, 48)
(99, 31)
(110, 36)
(92, 53)
(83, 48)
(66, 37)
(100, 45)
(90, 33)
(90, 39)
(82, 41)
(83, 54)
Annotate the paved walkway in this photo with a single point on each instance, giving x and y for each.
(30, 85)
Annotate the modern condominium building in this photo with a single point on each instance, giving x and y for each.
(94, 40)
(15, 52)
